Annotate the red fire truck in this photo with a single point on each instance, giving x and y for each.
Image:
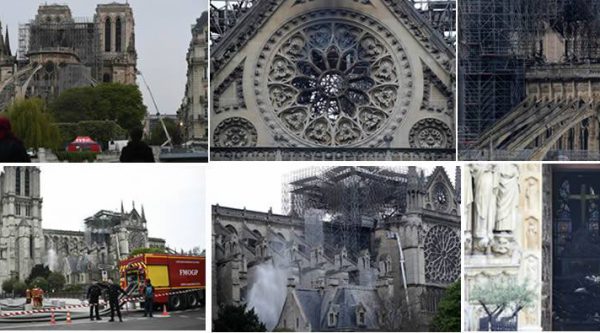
(183, 277)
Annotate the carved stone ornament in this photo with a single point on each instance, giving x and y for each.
(235, 132)
(442, 255)
(333, 78)
(431, 133)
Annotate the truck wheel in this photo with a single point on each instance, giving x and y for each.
(176, 302)
(192, 300)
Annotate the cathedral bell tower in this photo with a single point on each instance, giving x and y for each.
(21, 238)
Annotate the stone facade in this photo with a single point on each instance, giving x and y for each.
(79, 255)
(194, 108)
(302, 80)
(503, 234)
(333, 287)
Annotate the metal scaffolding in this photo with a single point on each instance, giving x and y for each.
(499, 39)
(354, 199)
(224, 15)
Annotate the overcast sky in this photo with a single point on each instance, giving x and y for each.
(173, 197)
(162, 36)
(257, 185)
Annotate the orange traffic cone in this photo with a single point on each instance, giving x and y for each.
(165, 313)
(52, 319)
(68, 317)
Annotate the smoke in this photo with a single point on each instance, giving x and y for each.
(268, 293)
(52, 260)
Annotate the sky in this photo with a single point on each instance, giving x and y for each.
(257, 185)
(162, 37)
(173, 197)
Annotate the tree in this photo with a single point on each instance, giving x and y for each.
(235, 318)
(8, 285)
(33, 124)
(158, 136)
(38, 270)
(40, 282)
(122, 103)
(498, 295)
(141, 250)
(19, 288)
(56, 281)
(447, 318)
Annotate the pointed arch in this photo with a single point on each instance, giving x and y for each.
(118, 35)
(18, 181)
(107, 34)
(27, 182)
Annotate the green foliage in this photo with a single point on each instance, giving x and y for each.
(19, 288)
(38, 270)
(141, 250)
(122, 103)
(502, 294)
(447, 319)
(77, 156)
(101, 131)
(158, 136)
(39, 282)
(33, 124)
(56, 281)
(7, 285)
(74, 288)
(233, 318)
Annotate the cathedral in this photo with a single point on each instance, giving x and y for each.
(58, 51)
(80, 255)
(359, 248)
(322, 80)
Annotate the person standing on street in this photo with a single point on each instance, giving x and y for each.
(114, 291)
(11, 148)
(148, 298)
(93, 296)
(136, 150)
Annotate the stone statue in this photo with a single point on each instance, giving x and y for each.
(468, 204)
(484, 198)
(508, 198)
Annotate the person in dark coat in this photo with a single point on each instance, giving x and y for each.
(11, 148)
(114, 291)
(136, 150)
(93, 296)
(148, 290)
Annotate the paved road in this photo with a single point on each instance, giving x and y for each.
(181, 320)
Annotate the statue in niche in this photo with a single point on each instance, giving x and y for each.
(507, 207)
(484, 199)
(532, 194)
(468, 204)
(508, 198)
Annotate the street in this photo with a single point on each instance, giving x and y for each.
(178, 320)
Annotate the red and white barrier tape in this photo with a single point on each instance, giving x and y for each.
(127, 299)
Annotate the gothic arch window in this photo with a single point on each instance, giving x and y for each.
(441, 197)
(31, 245)
(442, 255)
(18, 181)
(333, 78)
(571, 139)
(107, 35)
(584, 135)
(27, 182)
(118, 35)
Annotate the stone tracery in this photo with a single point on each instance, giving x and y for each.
(332, 82)
(442, 255)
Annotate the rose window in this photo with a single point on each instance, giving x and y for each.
(442, 255)
(332, 82)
